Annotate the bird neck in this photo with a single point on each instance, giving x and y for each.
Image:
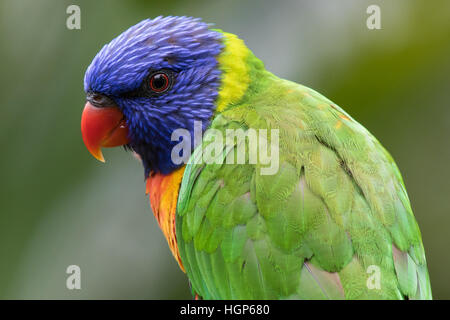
(163, 193)
(241, 70)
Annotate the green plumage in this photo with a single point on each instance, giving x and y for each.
(336, 207)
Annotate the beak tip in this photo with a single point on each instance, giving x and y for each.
(99, 156)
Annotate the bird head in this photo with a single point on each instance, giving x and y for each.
(157, 76)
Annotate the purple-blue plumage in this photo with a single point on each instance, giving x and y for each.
(185, 46)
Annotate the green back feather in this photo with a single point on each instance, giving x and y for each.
(337, 206)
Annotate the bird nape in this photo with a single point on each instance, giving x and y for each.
(332, 220)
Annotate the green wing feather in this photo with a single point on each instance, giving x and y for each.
(337, 206)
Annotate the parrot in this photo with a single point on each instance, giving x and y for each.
(332, 220)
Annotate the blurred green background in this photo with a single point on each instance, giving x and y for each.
(59, 206)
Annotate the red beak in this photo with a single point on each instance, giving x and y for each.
(103, 127)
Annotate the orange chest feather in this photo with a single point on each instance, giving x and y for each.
(163, 193)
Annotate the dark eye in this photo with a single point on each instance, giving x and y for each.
(159, 82)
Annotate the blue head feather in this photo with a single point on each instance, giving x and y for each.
(184, 45)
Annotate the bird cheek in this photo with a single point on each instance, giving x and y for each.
(103, 127)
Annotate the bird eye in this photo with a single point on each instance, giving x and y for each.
(159, 82)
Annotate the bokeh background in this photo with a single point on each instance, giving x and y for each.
(59, 206)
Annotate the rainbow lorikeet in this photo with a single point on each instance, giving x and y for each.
(332, 220)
